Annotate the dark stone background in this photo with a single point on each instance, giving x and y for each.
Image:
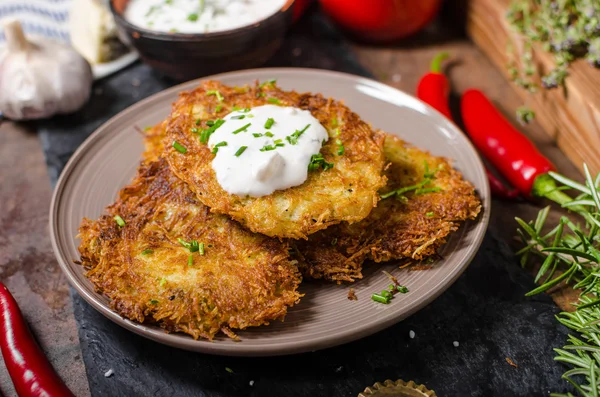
(485, 310)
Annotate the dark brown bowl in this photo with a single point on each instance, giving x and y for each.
(184, 56)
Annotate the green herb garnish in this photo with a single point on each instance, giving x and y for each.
(269, 123)
(217, 146)
(213, 126)
(266, 83)
(201, 249)
(191, 260)
(293, 138)
(162, 282)
(257, 135)
(429, 214)
(241, 129)
(218, 108)
(217, 94)
(402, 190)
(340, 147)
(179, 147)
(428, 190)
(317, 161)
(153, 302)
(380, 298)
(269, 134)
(241, 150)
(147, 252)
(240, 117)
(192, 17)
(119, 220)
(274, 101)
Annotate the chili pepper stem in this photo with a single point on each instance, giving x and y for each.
(544, 186)
(436, 62)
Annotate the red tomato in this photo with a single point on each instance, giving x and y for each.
(381, 20)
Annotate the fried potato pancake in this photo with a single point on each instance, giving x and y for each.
(413, 224)
(347, 192)
(152, 273)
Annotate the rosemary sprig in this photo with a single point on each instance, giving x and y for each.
(571, 253)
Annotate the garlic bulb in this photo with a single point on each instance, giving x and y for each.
(42, 78)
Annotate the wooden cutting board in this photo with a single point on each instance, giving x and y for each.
(571, 115)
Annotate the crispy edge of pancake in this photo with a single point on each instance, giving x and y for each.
(242, 280)
(347, 192)
(413, 228)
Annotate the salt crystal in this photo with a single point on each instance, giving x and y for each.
(251, 383)
(109, 373)
(411, 334)
(455, 343)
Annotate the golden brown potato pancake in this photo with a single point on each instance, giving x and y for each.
(234, 278)
(347, 192)
(411, 225)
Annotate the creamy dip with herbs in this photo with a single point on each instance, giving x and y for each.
(266, 148)
(199, 16)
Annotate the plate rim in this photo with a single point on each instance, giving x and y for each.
(187, 343)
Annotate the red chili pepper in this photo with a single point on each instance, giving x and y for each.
(515, 156)
(299, 7)
(30, 371)
(434, 89)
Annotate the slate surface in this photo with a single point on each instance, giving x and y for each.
(484, 311)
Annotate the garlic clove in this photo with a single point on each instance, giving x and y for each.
(41, 78)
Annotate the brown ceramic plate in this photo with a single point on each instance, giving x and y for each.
(325, 317)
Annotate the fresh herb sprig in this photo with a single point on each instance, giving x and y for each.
(570, 253)
(568, 29)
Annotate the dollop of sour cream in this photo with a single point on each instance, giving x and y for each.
(264, 149)
(199, 16)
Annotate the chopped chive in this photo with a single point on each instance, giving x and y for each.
(241, 110)
(229, 370)
(260, 94)
(257, 135)
(268, 82)
(147, 252)
(184, 243)
(429, 214)
(266, 148)
(199, 121)
(387, 294)
(250, 116)
(195, 130)
(240, 117)
(217, 94)
(402, 289)
(334, 241)
(316, 161)
(269, 123)
(293, 139)
(217, 146)
(340, 150)
(241, 129)
(194, 246)
(269, 134)
(119, 220)
(380, 298)
(192, 17)
(428, 190)
(274, 101)
(148, 128)
(163, 281)
(190, 260)
(218, 108)
(241, 150)
(205, 134)
(179, 147)
(201, 248)
(334, 122)
(276, 141)
(153, 301)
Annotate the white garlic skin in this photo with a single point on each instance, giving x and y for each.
(42, 78)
